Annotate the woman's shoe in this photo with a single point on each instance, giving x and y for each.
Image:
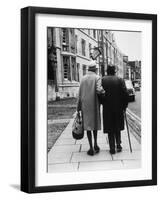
(119, 148)
(97, 149)
(90, 152)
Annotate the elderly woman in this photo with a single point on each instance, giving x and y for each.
(89, 105)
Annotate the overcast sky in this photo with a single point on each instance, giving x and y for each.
(129, 43)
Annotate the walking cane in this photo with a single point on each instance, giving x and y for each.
(128, 132)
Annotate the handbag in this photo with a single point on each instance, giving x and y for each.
(77, 127)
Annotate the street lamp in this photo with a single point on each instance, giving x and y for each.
(96, 52)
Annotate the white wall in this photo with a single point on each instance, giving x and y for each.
(10, 99)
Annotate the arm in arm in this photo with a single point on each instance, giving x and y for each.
(99, 88)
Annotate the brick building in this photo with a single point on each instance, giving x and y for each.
(135, 70)
(111, 54)
(69, 53)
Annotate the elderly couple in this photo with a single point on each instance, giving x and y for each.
(112, 92)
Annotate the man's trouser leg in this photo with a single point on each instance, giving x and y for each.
(111, 139)
(118, 141)
(96, 147)
(118, 138)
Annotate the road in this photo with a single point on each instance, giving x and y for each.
(136, 105)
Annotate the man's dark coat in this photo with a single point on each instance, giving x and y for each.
(114, 103)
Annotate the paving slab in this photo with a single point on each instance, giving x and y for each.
(127, 155)
(65, 141)
(84, 157)
(85, 147)
(61, 157)
(132, 164)
(100, 140)
(65, 148)
(101, 165)
(62, 167)
(66, 135)
(135, 146)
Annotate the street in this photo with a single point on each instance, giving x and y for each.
(135, 106)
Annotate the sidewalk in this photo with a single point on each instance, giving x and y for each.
(69, 155)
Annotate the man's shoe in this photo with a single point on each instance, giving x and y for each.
(97, 149)
(90, 152)
(112, 151)
(119, 148)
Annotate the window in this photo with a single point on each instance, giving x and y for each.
(77, 72)
(76, 41)
(84, 70)
(90, 46)
(66, 66)
(51, 75)
(72, 31)
(99, 36)
(73, 64)
(109, 50)
(72, 41)
(94, 33)
(112, 54)
(88, 31)
(65, 35)
(65, 39)
(51, 37)
(83, 47)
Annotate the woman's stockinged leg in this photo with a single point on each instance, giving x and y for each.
(89, 136)
(96, 147)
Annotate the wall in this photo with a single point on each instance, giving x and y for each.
(10, 100)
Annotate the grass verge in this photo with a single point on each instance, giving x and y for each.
(58, 110)
(54, 131)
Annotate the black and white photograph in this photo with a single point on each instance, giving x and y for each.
(94, 87)
(91, 89)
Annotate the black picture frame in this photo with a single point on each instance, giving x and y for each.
(28, 98)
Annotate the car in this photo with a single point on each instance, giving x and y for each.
(136, 85)
(130, 89)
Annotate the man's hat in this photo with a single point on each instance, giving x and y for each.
(92, 65)
(111, 69)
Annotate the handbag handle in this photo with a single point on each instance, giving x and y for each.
(79, 116)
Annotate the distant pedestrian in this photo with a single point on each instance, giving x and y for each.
(89, 105)
(114, 105)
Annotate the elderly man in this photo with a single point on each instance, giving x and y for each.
(114, 106)
(89, 105)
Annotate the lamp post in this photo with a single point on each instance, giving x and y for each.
(103, 58)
